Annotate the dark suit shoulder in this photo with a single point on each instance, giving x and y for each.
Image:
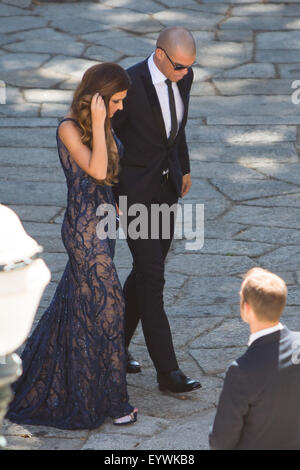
(138, 69)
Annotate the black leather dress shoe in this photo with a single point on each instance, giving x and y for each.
(176, 382)
(133, 367)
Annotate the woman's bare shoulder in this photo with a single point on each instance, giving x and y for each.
(68, 128)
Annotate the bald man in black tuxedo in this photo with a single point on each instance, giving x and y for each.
(155, 169)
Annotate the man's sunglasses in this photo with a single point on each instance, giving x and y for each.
(176, 66)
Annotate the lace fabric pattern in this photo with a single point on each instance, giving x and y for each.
(74, 367)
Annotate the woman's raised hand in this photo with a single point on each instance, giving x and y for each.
(98, 110)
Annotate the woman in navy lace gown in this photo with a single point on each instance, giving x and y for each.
(74, 371)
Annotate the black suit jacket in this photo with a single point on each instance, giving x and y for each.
(140, 127)
(259, 405)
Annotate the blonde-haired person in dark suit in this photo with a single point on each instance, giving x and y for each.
(259, 404)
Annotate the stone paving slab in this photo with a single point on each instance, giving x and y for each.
(243, 136)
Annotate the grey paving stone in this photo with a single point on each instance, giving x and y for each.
(216, 361)
(202, 38)
(67, 9)
(289, 70)
(233, 172)
(255, 120)
(48, 96)
(129, 61)
(185, 330)
(286, 258)
(143, 6)
(71, 48)
(12, 429)
(282, 236)
(229, 247)
(70, 83)
(103, 38)
(260, 23)
(19, 3)
(46, 33)
(22, 156)
(35, 213)
(291, 322)
(115, 442)
(293, 298)
(278, 56)
(16, 137)
(200, 265)
(27, 122)
(36, 443)
(28, 78)
(235, 35)
(225, 55)
(232, 333)
(57, 110)
(68, 66)
(7, 10)
(202, 89)
(178, 3)
(17, 61)
(205, 21)
(281, 217)
(28, 109)
(144, 26)
(278, 40)
(205, 291)
(291, 1)
(267, 9)
(292, 200)
(202, 311)
(13, 23)
(251, 70)
(205, 73)
(232, 1)
(253, 86)
(129, 46)
(5, 39)
(236, 105)
(228, 230)
(281, 151)
(78, 25)
(240, 134)
(45, 194)
(280, 172)
(13, 95)
(30, 173)
(219, 8)
(242, 191)
(101, 53)
(190, 434)
(56, 262)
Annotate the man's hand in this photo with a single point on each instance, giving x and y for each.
(186, 184)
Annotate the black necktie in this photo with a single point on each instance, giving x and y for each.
(174, 123)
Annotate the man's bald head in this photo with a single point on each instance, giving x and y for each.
(177, 40)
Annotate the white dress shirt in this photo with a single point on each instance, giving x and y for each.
(264, 332)
(158, 80)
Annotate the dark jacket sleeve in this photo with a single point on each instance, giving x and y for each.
(232, 408)
(183, 151)
(183, 154)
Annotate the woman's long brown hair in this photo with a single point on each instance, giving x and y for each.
(105, 79)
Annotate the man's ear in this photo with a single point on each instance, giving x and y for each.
(159, 53)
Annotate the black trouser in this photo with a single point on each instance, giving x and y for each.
(143, 289)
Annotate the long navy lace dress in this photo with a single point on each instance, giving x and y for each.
(74, 362)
